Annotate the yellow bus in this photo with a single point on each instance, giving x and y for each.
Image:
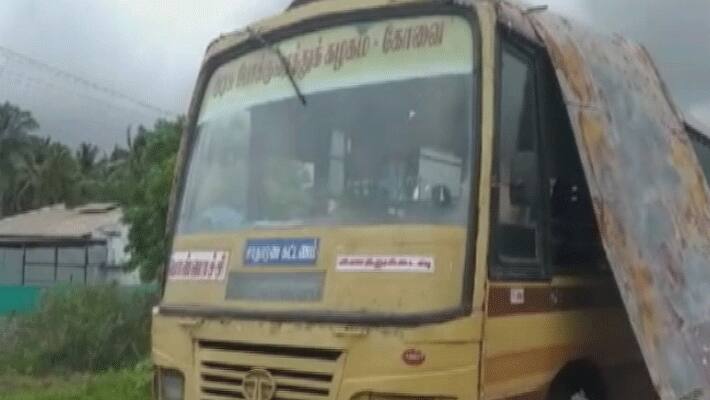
(395, 200)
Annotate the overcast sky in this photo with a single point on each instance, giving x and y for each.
(150, 50)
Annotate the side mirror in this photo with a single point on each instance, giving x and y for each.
(524, 179)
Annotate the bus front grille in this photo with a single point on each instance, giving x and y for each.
(299, 373)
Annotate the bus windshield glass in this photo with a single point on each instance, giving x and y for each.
(385, 135)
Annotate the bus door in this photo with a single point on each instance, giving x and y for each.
(549, 284)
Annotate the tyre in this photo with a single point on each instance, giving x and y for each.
(577, 384)
(571, 393)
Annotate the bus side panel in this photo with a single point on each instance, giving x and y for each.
(532, 330)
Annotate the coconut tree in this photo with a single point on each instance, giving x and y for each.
(87, 157)
(15, 122)
(46, 173)
(15, 126)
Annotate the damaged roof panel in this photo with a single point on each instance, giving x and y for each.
(650, 196)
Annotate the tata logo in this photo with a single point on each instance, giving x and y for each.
(258, 384)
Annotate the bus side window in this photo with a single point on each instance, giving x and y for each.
(542, 211)
(517, 197)
(574, 240)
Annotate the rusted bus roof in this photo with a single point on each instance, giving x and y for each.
(650, 197)
(59, 222)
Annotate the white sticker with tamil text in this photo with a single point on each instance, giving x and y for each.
(198, 265)
(384, 263)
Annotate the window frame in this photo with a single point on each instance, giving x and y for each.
(541, 269)
(546, 86)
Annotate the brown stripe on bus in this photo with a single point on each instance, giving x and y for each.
(550, 299)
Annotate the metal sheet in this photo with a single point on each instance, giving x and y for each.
(650, 197)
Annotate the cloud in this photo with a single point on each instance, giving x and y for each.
(574, 9)
(150, 50)
(675, 33)
(141, 46)
(701, 112)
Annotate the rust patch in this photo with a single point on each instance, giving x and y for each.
(566, 54)
(594, 133)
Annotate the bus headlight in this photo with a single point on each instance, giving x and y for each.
(171, 384)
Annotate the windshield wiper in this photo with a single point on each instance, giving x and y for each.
(284, 62)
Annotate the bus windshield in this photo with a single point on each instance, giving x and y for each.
(385, 135)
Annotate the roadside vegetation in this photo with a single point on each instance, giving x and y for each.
(86, 342)
(79, 329)
(126, 384)
(83, 343)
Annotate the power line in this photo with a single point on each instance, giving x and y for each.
(21, 79)
(9, 55)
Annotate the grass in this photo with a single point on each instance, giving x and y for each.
(83, 343)
(125, 384)
(78, 330)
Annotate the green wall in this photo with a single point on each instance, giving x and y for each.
(22, 299)
(18, 299)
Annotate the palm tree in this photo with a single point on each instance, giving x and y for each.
(15, 126)
(60, 175)
(86, 155)
(46, 174)
(96, 174)
(15, 122)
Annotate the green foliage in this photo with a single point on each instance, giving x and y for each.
(46, 173)
(15, 122)
(87, 156)
(36, 172)
(140, 178)
(126, 384)
(145, 196)
(79, 329)
(15, 125)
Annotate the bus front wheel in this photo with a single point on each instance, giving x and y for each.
(578, 381)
